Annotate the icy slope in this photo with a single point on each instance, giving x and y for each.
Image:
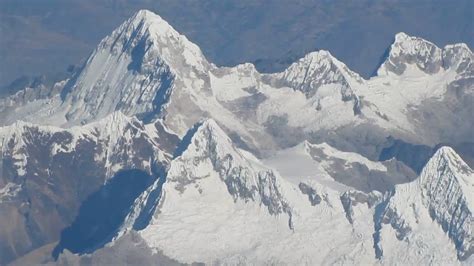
(434, 209)
(132, 70)
(245, 212)
(425, 90)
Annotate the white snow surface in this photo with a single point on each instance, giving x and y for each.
(226, 208)
(222, 205)
(434, 209)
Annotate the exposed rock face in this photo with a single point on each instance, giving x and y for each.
(47, 172)
(244, 179)
(448, 188)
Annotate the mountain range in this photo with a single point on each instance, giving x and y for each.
(151, 154)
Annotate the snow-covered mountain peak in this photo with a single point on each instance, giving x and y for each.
(17, 131)
(113, 126)
(441, 197)
(413, 51)
(114, 119)
(408, 50)
(405, 44)
(210, 174)
(315, 70)
(459, 57)
(133, 70)
(401, 37)
(445, 171)
(207, 149)
(208, 139)
(147, 34)
(448, 155)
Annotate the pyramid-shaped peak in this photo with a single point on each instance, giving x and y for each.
(116, 118)
(317, 60)
(210, 129)
(447, 187)
(316, 69)
(446, 170)
(113, 124)
(446, 152)
(447, 156)
(151, 21)
(202, 136)
(145, 13)
(146, 35)
(321, 54)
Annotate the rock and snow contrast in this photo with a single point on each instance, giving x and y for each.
(436, 208)
(226, 165)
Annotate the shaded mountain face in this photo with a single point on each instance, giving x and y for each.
(47, 172)
(102, 213)
(192, 153)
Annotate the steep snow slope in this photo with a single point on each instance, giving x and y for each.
(206, 200)
(216, 194)
(434, 209)
(247, 213)
(326, 164)
(133, 70)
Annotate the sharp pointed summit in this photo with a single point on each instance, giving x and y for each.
(440, 199)
(132, 70)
